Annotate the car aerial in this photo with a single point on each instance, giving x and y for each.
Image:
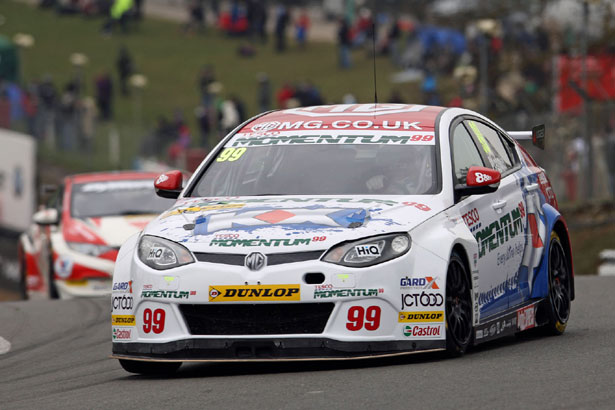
(70, 248)
(344, 232)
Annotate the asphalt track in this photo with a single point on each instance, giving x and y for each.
(58, 359)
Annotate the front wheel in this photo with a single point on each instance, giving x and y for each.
(458, 307)
(150, 368)
(53, 290)
(23, 277)
(559, 288)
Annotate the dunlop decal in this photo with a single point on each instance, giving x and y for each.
(405, 317)
(254, 293)
(123, 320)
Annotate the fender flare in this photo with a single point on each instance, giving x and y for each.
(442, 243)
(540, 288)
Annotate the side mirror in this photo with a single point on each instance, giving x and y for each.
(46, 217)
(169, 184)
(480, 180)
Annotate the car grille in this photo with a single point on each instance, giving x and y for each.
(257, 319)
(272, 258)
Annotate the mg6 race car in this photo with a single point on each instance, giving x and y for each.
(70, 248)
(346, 231)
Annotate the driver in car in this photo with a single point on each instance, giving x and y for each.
(412, 176)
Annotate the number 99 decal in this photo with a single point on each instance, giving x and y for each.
(153, 321)
(359, 318)
(231, 154)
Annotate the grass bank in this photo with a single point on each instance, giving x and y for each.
(171, 61)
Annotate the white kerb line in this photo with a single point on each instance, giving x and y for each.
(5, 345)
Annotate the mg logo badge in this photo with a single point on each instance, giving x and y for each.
(255, 261)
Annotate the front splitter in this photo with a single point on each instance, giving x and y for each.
(278, 349)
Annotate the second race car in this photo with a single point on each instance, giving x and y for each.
(71, 246)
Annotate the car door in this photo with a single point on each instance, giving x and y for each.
(497, 219)
(536, 191)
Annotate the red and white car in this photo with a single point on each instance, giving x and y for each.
(71, 246)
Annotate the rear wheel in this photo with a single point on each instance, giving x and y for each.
(559, 288)
(458, 307)
(150, 368)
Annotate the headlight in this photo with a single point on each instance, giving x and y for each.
(161, 254)
(369, 251)
(89, 248)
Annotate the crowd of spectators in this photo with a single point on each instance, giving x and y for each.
(502, 67)
(506, 68)
(514, 52)
(64, 116)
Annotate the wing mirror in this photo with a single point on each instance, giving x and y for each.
(169, 184)
(479, 180)
(46, 217)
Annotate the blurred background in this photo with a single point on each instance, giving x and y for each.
(94, 85)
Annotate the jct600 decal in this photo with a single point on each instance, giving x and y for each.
(122, 302)
(421, 299)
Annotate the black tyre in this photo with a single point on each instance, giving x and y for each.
(459, 329)
(53, 290)
(150, 368)
(559, 288)
(23, 288)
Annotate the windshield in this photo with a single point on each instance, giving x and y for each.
(108, 198)
(321, 169)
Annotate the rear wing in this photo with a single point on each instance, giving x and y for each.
(537, 135)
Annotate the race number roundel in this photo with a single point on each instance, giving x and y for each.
(480, 176)
(170, 180)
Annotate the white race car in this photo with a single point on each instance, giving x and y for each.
(346, 231)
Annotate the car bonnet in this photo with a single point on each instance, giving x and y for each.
(289, 223)
(109, 230)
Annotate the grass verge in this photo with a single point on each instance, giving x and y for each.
(171, 61)
(587, 244)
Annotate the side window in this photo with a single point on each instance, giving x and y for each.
(492, 145)
(465, 153)
(511, 149)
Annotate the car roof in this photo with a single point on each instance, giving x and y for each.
(111, 176)
(387, 117)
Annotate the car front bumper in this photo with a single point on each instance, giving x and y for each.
(198, 325)
(93, 287)
(240, 349)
